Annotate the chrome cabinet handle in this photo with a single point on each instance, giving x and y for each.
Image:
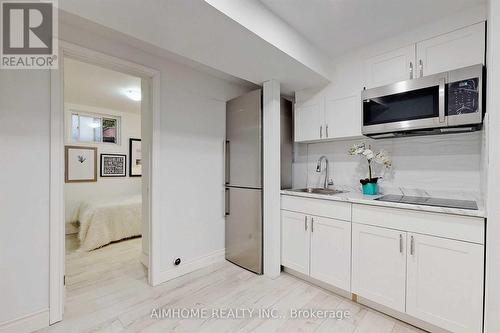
(412, 246)
(321, 132)
(400, 243)
(312, 224)
(421, 67)
(411, 70)
(305, 223)
(326, 130)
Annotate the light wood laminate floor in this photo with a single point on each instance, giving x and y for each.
(106, 291)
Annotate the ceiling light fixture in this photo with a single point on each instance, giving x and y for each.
(133, 94)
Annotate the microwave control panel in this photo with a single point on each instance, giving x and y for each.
(463, 97)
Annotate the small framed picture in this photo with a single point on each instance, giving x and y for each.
(80, 164)
(113, 165)
(135, 156)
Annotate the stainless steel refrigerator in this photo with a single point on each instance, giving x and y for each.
(243, 177)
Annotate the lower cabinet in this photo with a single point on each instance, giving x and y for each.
(331, 251)
(379, 265)
(434, 279)
(445, 282)
(317, 246)
(295, 240)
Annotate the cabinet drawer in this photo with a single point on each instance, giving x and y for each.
(326, 208)
(465, 228)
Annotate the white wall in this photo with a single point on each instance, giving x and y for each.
(24, 192)
(106, 188)
(433, 162)
(192, 132)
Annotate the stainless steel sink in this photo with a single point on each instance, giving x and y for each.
(325, 191)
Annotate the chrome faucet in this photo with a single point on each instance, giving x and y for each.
(318, 169)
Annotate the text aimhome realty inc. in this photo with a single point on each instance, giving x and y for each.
(246, 313)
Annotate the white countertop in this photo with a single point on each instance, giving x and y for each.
(359, 198)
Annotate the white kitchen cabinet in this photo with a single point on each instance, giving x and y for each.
(453, 50)
(445, 282)
(309, 121)
(342, 117)
(393, 66)
(331, 251)
(459, 48)
(295, 241)
(379, 265)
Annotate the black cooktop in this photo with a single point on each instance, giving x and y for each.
(428, 201)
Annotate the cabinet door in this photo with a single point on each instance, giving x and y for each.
(445, 282)
(295, 241)
(343, 117)
(331, 251)
(379, 265)
(460, 48)
(390, 67)
(309, 120)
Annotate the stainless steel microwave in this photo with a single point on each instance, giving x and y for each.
(448, 102)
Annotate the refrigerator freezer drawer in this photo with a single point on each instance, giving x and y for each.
(244, 228)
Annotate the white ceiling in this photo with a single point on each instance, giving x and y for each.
(337, 26)
(96, 86)
(196, 30)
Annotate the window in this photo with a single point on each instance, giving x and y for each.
(94, 128)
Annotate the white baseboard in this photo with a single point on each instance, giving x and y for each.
(28, 323)
(144, 259)
(188, 267)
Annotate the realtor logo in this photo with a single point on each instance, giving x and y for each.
(28, 39)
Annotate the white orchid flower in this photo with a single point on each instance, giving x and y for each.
(368, 153)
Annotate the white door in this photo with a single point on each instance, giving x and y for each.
(343, 117)
(445, 282)
(331, 251)
(390, 67)
(309, 120)
(379, 265)
(460, 48)
(295, 240)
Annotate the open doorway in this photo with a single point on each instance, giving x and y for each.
(106, 239)
(145, 261)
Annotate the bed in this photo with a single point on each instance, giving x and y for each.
(104, 222)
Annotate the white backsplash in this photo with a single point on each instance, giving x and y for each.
(442, 165)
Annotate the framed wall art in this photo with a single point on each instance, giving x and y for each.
(113, 165)
(80, 164)
(135, 156)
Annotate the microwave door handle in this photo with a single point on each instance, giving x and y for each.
(442, 90)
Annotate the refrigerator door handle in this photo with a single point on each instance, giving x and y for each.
(228, 164)
(227, 210)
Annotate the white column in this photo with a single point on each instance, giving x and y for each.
(492, 288)
(272, 178)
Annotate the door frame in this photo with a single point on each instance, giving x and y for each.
(151, 120)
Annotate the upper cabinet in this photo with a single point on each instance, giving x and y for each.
(342, 117)
(390, 67)
(309, 119)
(327, 119)
(460, 48)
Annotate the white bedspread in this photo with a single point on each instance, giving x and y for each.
(104, 222)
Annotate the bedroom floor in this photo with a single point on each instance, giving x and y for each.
(106, 291)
